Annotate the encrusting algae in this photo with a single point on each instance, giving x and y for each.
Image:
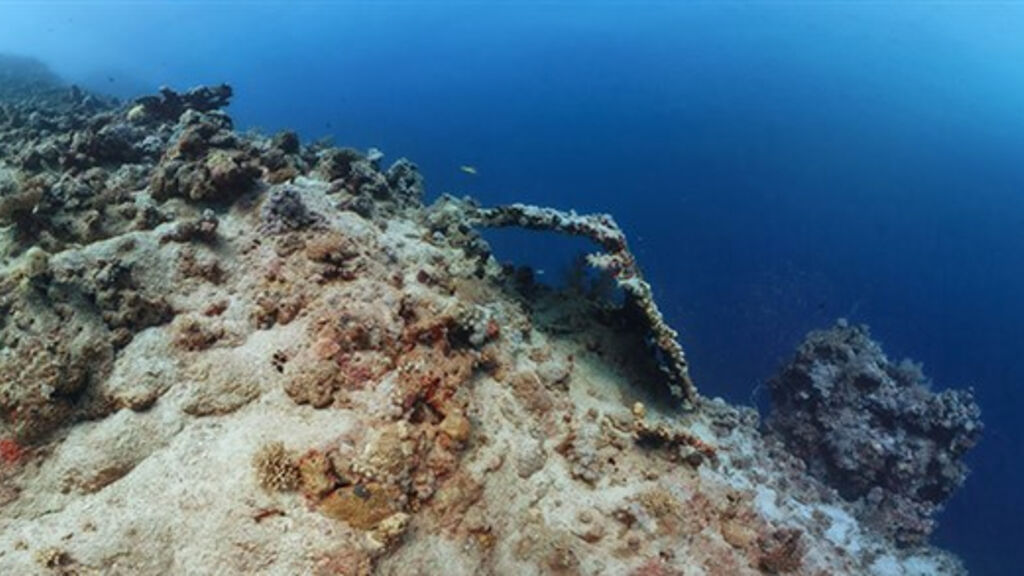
(232, 353)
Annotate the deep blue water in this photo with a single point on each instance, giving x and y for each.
(777, 165)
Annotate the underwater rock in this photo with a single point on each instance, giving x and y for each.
(874, 429)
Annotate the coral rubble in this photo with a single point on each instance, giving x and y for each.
(232, 353)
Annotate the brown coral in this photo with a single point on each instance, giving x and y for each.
(782, 551)
(362, 506)
(679, 443)
(275, 468)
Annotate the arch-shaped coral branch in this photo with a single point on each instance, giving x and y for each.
(616, 259)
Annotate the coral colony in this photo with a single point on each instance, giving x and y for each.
(234, 353)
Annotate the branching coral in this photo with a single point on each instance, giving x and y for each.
(275, 469)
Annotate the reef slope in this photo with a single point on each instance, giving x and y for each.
(230, 353)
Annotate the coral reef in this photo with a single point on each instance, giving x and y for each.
(236, 353)
(874, 430)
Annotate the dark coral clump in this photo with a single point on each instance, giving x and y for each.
(367, 190)
(169, 105)
(206, 162)
(284, 211)
(874, 430)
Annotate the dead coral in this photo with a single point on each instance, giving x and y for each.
(368, 322)
(193, 334)
(336, 163)
(561, 557)
(616, 260)
(355, 342)
(782, 551)
(317, 476)
(52, 209)
(387, 454)
(678, 443)
(581, 449)
(62, 324)
(661, 505)
(362, 506)
(122, 305)
(337, 254)
(398, 469)
(406, 183)
(314, 384)
(326, 381)
(368, 191)
(532, 393)
(201, 229)
(284, 211)
(389, 531)
(456, 428)
(56, 559)
(207, 162)
(277, 305)
(428, 378)
(169, 105)
(222, 175)
(41, 382)
(112, 143)
(18, 208)
(193, 263)
(214, 394)
(531, 459)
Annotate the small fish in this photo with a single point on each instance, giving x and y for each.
(466, 168)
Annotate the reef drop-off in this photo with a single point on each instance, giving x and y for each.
(230, 353)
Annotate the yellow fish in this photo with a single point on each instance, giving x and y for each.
(471, 170)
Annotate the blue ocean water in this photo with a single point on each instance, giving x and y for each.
(777, 165)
